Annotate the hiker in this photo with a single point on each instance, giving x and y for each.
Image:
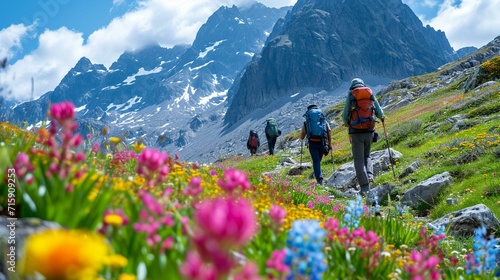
(272, 134)
(253, 142)
(361, 107)
(319, 141)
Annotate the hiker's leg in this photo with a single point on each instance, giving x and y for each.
(367, 150)
(358, 154)
(271, 142)
(315, 151)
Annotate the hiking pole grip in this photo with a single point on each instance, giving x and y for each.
(388, 149)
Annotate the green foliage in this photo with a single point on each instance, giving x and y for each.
(491, 68)
(403, 131)
(395, 229)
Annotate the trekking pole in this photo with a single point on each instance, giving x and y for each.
(388, 149)
(301, 145)
(333, 164)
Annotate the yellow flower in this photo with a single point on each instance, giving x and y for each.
(126, 276)
(138, 147)
(113, 219)
(116, 261)
(64, 254)
(114, 140)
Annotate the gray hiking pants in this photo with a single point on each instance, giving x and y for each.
(361, 145)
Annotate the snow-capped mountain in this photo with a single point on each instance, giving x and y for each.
(163, 95)
(259, 62)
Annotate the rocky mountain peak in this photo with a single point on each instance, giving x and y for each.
(322, 43)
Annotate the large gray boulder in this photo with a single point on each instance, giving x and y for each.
(464, 222)
(427, 191)
(345, 175)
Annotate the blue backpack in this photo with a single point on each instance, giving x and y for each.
(315, 125)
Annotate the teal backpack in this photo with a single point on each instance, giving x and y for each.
(272, 127)
(315, 125)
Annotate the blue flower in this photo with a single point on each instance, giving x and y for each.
(353, 212)
(304, 252)
(484, 253)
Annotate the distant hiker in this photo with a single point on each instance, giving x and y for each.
(253, 142)
(361, 107)
(272, 134)
(319, 141)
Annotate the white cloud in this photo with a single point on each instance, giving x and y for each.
(10, 39)
(472, 23)
(57, 53)
(166, 22)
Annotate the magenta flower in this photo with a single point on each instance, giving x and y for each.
(152, 164)
(277, 215)
(63, 113)
(249, 272)
(194, 269)
(310, 204)
(233, 179)
(423, 266)
(22, 165)
(61, 153)
(96, 148)
(277, 263)
(229, 221)
(194, 187)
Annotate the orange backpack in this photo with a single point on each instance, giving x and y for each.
(362, 113)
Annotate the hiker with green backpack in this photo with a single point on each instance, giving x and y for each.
(319, 141)
(360, 109)
(272, 134)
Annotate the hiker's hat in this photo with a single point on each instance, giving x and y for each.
(357, 82)
(312, 106)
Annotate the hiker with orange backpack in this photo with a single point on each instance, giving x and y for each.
(360, 109)
(253, 142)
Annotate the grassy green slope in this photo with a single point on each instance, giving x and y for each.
(423, 130)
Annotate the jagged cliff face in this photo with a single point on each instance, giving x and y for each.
(321, 43)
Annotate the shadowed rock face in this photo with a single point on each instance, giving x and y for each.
(321, 43)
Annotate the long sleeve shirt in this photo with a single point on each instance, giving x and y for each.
(347, 107)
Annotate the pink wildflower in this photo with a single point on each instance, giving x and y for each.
(277, 215)
(233, 179)
(152, 165)
(96, 148)
(249, 272)
(230, 221)
(63, 113)
(194, 269)
(277, 262)
(22, 165)
(194, 187)
(310, 204)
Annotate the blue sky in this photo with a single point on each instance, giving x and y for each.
(44, 39)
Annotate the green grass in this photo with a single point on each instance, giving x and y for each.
(422, 131)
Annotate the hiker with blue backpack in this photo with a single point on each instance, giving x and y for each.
(319, 141)
(272, 134)
(360, 109)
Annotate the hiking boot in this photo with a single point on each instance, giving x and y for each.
(320, 181)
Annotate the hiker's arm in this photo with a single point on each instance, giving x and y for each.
(345, 113)
(378, 111)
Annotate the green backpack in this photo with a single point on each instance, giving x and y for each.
(272, 127)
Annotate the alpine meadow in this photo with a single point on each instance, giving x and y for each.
(144, 171)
